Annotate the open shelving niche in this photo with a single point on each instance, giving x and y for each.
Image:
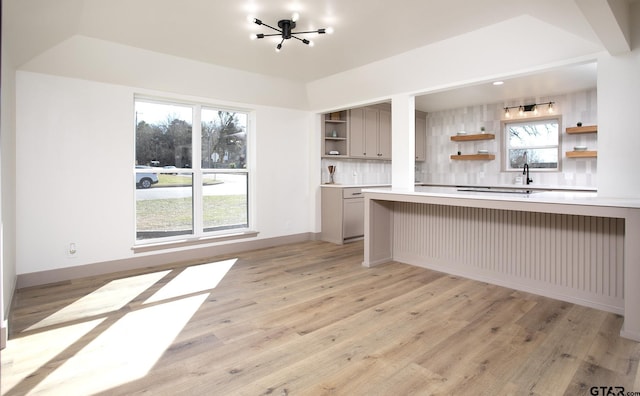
(469, 138)
(338, 122)
(580, 130)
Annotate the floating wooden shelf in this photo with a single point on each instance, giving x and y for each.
(583, 129)
(473, 157)
(477, 136)
(582, 154)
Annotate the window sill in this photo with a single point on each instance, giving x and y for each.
(192, 241)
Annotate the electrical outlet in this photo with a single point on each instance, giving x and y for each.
(72, 249)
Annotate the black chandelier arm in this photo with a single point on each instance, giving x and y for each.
(319, 31)
(304, 41)
(260, 35)
(259, 22)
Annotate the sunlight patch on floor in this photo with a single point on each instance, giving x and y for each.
(35, 350)
(125, 351)
(126, 347)
(194, 279)
(108, 298)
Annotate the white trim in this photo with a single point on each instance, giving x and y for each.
(505, 142)
(165, 243)
(149, 261)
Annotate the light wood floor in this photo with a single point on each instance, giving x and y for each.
(307, 319)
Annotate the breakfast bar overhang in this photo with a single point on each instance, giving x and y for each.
(572, 246)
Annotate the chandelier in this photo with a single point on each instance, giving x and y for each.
(286, 31)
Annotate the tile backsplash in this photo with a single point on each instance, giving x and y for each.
(440, 169)
(353, 171)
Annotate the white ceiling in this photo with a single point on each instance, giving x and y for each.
(217, 32)
(539, 85)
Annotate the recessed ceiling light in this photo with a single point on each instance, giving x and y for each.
(498, 82)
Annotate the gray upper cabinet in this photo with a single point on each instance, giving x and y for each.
(421, 136)
(370, 133)
(356, 133)
(384, 134)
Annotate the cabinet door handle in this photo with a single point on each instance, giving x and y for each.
(356, 193)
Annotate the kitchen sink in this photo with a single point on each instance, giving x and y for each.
(498, 190)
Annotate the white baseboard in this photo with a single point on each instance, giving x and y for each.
(103, 268)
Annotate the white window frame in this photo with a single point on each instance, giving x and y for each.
(199, 235)
(506, 147)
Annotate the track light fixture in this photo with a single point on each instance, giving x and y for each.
(286, 31)
(529, 107)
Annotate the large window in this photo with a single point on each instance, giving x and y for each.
(533, 142)
(191, 173)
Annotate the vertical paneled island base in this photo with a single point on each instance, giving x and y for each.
(572, 246)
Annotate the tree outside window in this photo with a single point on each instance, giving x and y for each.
(534, 142)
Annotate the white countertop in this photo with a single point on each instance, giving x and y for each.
(519, 186)
(552, 197)
(338, 185)
(509, 186)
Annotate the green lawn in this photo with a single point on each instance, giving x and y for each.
(175, 214)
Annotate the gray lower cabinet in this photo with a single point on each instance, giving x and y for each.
(342, 214)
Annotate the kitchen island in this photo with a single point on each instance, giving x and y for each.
(573, 246)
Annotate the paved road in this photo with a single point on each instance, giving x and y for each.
(231, 185)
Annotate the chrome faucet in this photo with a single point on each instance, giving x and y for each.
(525, 171)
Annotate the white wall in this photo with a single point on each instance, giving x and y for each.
(619, 117)
(75, 152)
(98, 60)
(7, 180)
(495, 51)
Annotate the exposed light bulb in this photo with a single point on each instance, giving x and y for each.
(328, 30)
(521, 111)
(507, 113)
(535, 110)
(311, 44)
(550, 109)
(295, 16)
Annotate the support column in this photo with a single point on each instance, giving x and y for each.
(403, 142)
